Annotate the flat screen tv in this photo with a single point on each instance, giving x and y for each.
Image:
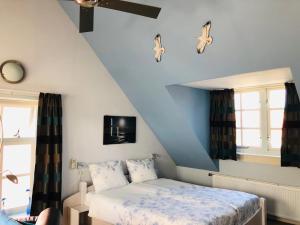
(119, 130)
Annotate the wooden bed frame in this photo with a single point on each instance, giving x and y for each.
(260, 217)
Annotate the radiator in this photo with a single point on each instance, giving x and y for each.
(282, 201)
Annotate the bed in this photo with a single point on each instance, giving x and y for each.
(170, 202)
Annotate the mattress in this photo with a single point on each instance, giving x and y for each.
(170, 202)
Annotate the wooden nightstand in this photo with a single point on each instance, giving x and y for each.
(79, 215)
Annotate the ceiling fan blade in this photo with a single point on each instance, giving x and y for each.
(131, 7)
(86, 20)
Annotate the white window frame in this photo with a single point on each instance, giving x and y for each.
(18, 141)
(265, 129)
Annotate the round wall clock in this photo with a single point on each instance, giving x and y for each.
(12, 71)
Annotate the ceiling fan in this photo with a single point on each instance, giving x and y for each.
(86, 23)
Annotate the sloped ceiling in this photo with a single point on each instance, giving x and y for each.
(249, 36)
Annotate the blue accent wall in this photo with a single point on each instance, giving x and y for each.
(249, 36)
(195, 106)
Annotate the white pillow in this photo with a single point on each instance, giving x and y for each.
(141, 170)
(107, 175)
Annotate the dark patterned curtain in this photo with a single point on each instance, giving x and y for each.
(48, 166)
(222, 125)
(290, 149)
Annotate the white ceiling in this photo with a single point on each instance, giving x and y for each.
(267, 77)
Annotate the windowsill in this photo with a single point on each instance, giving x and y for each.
(261, 159)
(18, 215)
(17, 212)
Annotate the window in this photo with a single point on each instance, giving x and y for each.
(259, 118)
(17, 152)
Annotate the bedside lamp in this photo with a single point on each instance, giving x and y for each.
(10, 176)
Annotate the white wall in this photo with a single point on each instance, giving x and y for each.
(59, 60)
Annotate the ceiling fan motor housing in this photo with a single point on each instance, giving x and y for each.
(87, 3)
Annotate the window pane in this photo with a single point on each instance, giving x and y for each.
(238, 137)
(17, 158)
(238, 118)
(251, 119)
(277, 98)
(276, 118)
(19, 118)
(15, 194)
(237, 101)
(250, 100)
(251, 138)
(275, 138)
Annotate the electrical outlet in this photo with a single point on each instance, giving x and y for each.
(82, 165)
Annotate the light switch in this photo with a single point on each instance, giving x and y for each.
(73, 164)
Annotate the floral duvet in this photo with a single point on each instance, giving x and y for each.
(169, 202)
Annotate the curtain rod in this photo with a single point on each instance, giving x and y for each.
(262, 86)
(247, 87)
